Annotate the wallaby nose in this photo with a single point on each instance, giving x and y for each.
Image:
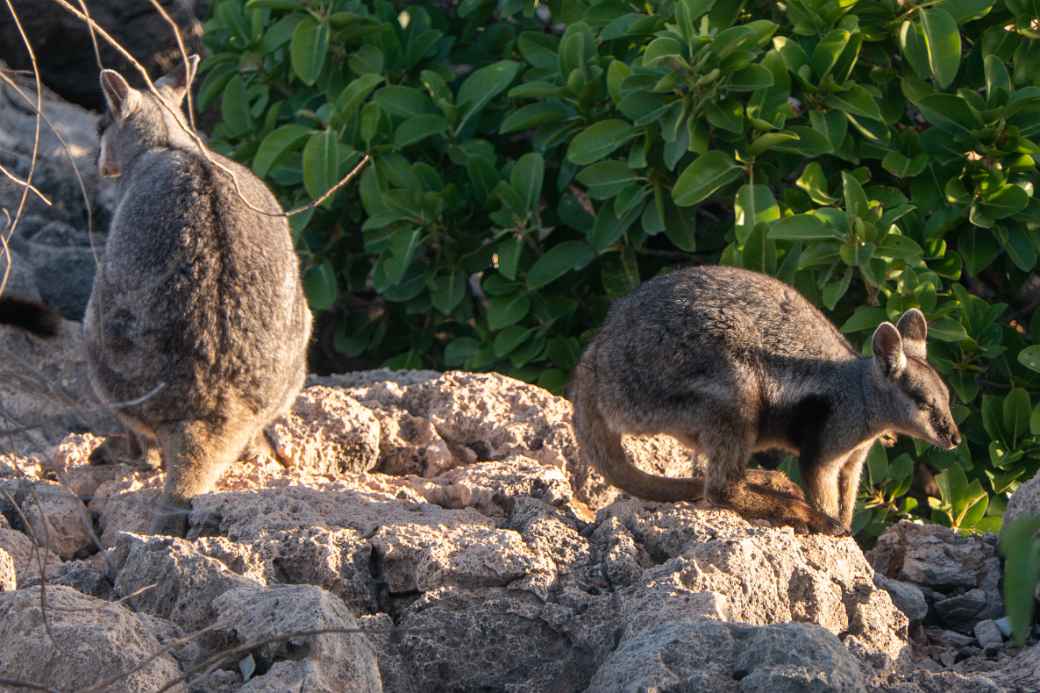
(955, 439)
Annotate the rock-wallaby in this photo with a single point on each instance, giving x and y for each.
(731, 362)
(29, 315)
(197, 327)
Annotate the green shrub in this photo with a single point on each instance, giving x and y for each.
(531, 163)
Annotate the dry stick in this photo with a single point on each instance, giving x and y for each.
(25, 184)
(41, 561)
(36, 143)
(93, 38)
(218, 657)
(184, 58)
(169, 647)
(195, 137)
(72, 160)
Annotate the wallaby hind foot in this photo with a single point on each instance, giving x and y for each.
(195, 454)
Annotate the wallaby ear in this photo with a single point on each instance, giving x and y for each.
(913, 328)
(176, 82)
(888, 349)
(122, 99)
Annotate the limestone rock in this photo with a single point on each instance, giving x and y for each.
(329, 662)
(59, 520)
(65, 52)
(93, 640)
(327, 432)
(8, 575)
(168, 578)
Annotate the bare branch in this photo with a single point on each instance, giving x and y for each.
(36, 143)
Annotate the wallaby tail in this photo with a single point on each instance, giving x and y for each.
(601, 447)
(29, 315)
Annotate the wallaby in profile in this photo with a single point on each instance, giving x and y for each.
(731, 362)
(197, 327)
(30, 316)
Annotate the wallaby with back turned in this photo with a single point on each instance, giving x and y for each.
(197, 326)
(732, 362)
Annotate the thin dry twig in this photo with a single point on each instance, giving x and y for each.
(41, 561)
(184, 58)
(25, 184)
(15, 683)
(93, 37)
(36, 143)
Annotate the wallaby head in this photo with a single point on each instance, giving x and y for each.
(136, 121)
(911, 397)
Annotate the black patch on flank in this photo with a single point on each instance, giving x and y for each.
(806, 422)
(29, 315)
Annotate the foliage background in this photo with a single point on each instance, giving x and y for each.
(531, 161)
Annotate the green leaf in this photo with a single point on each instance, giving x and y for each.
(320, 163)
(503, 311)
(404, 102)
(1030, 358)
(828, 50)
(448, 291)
(509, 339)
(483, 85)
(598, 140)
(814, 182)
(533, 115)
(856, 204)
(319, 283)
(751, 78)
(356, 92)
(857, 101)
(911, 43)
(403, 246)
(865, 318)
(1004, 202)
(558, 261)
(458, 350)
(418, 128)
(801, 227)
(949, 112)
(1021, 572)
(1017, 410)
(606, 178)
(947, 330)
(966, 10)
(526, 178)
(235, 107)
(707, 174)
(275, 144)
(310, 45)
(753, 205)
(616, 74)
(942, 41)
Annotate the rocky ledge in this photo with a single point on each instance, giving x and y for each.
(426, 531)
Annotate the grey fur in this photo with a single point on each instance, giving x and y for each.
(198, 295)
(732, 362)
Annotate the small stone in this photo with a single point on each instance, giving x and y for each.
(988, 634)
(960, 612)
(908, 598)
(968, 652)
(949, 638)
(1004, 625)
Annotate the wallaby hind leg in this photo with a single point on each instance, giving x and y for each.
(727, 483)
(195, 454)
(848, 483)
